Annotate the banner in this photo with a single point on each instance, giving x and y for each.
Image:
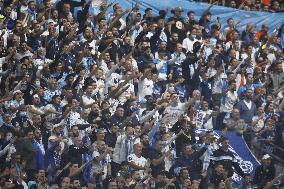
(273, 20)
(238, 146)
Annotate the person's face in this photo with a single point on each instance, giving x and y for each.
(205, 105)
(32, 6)
(78, 141)
(184, 174)
(179, 48)
(191, 16)
(235, 114)
(231, 22)
(100, 134)
(175, 37)
(187, 183)
(233, 4)
(37, 27)
(36, 100)
(66, 8)
(36, 119)
(266, 162)
(271, 108)
(138, 149)
(279, 68)
(57, 100)
(260, 110)
(205, 76)
(193, 32)
(41, 174)
(145, 139)
(248, 94)
(175, 98)
(37, 134)
(8, 11)
(75, 131)
(249, 79)
(225, 144)
(7, 118)
(233, 86)
(117, 8)
(24, 46)
(18, 96)
(149, 13)
(65, 183)
(127, 40)
(163, 45)
(177, 13)
(18, 27)
(112, 185)
(55, 14)
(137, 130)
(129, 131)
(276, 5)
(102, 24)
(188, 150)
(74, 103)
(265, 8)
(101, 146)
(159, 145)
(114, 129)
(120, 112)
(90, 90)
(99, 73)
(219, 169)
(208, 17)
(30, 135)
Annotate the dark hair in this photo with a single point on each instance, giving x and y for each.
(190, 12)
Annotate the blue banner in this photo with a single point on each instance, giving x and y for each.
(273, 20)
(238, 146)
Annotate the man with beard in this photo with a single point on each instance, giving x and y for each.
(74, 134)
(247, 107)
(277, 75)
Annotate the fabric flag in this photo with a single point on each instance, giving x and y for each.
(224, 13)
(238, 146)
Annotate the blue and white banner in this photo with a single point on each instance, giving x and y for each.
(238, 146)
(224, 13)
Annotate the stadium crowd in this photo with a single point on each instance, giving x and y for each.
(251, 5)
(112, 98)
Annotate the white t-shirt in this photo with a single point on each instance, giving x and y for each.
(259, 125)
(87, 100)
(100, 166)
(188, 44)
(231, 99)
(140, 161)
(145, 87)
(175, 112)
(126, 94)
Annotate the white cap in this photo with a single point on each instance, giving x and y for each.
(266, 156)
(17, 91)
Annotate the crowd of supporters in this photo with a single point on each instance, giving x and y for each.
(106, 97)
